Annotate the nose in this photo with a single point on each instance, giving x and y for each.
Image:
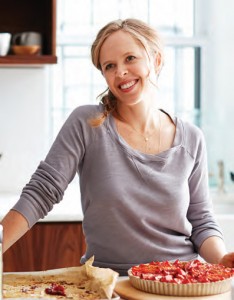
(121, 71)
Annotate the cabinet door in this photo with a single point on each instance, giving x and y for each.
(46, 246)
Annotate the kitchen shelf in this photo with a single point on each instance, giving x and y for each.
(27, 15)
(14, 60)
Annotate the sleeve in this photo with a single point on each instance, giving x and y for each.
(200, 212)
(47, 185)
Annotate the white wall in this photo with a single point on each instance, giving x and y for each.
(23, 124)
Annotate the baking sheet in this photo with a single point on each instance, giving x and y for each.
(114, 297)
(108, 280)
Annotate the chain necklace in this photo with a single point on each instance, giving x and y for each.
(146, 138)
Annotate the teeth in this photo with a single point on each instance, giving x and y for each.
(127, 85)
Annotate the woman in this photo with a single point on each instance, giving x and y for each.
(143, 172)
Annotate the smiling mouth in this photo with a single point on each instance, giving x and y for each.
(128, 85)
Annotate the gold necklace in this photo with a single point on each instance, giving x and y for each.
(147, 138)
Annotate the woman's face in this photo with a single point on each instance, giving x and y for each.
(127, 68)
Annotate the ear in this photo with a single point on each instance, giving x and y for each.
(158, 63)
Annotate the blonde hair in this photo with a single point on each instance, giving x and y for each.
(147, 36)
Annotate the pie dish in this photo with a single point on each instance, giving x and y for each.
(193, 278)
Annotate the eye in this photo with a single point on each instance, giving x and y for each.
(130, 58)
(109, 66)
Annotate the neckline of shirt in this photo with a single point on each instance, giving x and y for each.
(162, 156)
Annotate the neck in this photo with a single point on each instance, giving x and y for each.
(144, 121)
(146, 138)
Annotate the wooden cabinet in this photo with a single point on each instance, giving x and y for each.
(27, 15)
(48, 245)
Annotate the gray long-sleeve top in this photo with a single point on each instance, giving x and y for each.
(137, 207)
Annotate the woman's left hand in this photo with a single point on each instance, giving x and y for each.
(228, 260)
